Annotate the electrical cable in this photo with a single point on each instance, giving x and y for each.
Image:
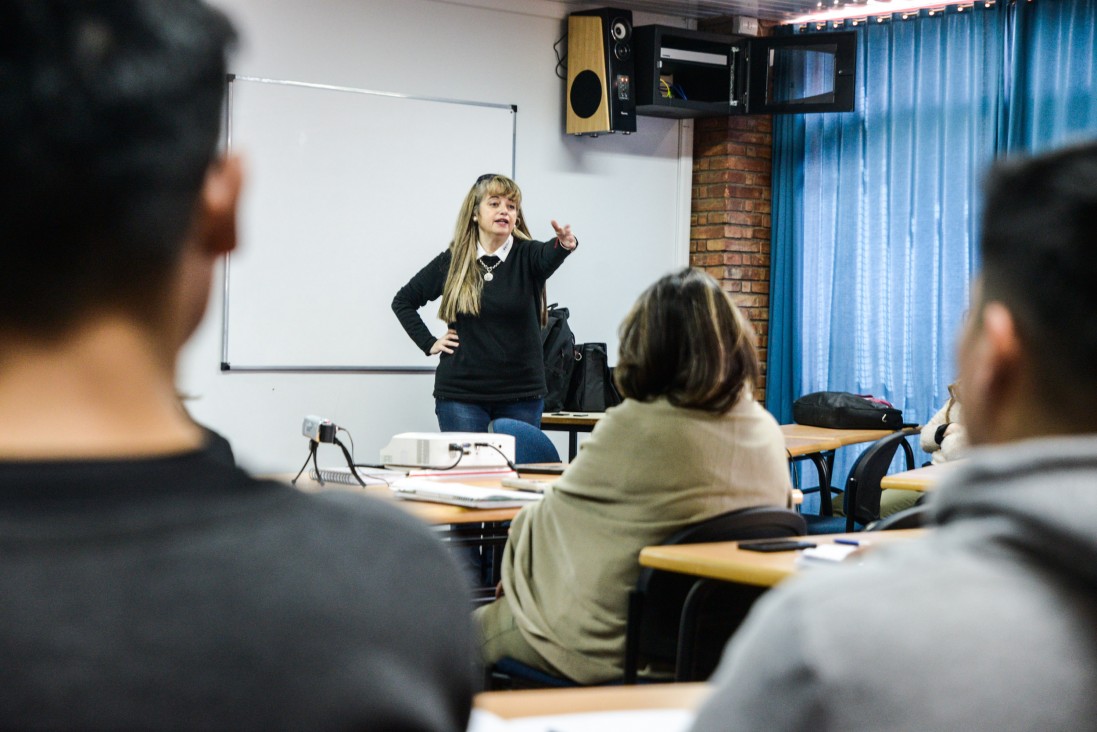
(507, 459)
(561, 61)
(350, 462)
(349, 437)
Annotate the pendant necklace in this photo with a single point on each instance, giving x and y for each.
(488, 276)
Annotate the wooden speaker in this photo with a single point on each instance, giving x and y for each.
(601, 80)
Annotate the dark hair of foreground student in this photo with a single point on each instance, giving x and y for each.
(109, 120)
(1040, 260)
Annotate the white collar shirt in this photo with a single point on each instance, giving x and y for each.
(501, 252)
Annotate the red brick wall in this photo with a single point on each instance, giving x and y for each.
(730, 216)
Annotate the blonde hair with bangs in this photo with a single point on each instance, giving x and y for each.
(465, 281)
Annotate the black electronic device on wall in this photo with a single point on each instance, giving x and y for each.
(601, 81)
(683, 73)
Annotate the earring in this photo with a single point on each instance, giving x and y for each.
(475, 219)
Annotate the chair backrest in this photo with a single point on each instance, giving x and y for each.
(757, 522)
(531, 445)
(910, 518)
(862, 494)
(655, 605)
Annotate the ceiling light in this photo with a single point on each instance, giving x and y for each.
(862, 8)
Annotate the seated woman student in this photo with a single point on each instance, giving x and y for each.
(944, 438)
(689, 442)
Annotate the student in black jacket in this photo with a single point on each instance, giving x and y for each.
(491, 281)
(148, 583)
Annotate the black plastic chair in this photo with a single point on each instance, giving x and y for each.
(531, 445)
(911, 518)
(827, 469)
(861, 497)
(670, 615)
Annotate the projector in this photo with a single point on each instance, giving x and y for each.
(445, 450)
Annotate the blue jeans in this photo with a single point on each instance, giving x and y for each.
(454, 416)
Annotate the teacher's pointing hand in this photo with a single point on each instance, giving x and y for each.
(564, 236)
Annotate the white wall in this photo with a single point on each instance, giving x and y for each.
(627, 197)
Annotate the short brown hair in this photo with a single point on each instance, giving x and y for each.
(685, 340)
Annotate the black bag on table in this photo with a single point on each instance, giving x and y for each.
(558, 346)
(592, 388)
(843, 410)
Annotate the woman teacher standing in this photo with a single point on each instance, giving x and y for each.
(492, 283)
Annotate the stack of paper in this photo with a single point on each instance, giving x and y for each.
(461, 494)
(825, 554)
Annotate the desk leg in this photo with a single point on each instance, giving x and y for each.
(822, 466)
(573, 444)
(687, 629)
(732, 602)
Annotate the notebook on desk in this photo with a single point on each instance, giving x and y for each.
(460, 494)
(371, 476)
(546, 468)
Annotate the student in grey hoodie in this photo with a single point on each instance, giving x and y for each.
(989, 622)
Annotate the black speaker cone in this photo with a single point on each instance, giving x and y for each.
(620, 29)
(586, 93)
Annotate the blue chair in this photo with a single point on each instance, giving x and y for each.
(531, 445)
(508, 674)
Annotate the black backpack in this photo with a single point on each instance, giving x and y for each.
(592, 388)
(558, 346)
(842, 410)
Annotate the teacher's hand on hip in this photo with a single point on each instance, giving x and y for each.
(446, 343)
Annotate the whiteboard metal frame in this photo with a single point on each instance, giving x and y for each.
(226, 366)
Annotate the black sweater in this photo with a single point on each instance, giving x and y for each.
(179, 593)
(498, 357)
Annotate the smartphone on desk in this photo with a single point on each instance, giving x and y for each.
(776, 545)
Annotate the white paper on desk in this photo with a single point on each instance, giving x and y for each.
(635, 720)
(461, 494)
(825, 554)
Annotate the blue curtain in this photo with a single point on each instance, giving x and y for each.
(1051, 86)
(876, 211)
(783, 367)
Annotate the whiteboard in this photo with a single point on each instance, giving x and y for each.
(347, 194)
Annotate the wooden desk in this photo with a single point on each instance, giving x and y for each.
(843, 437)
(432, 513)
(919, 479)
(806, 446)
(726, 562)
(539, 702)
(816, 450)
(719, 562)
(797, 436)
(573, 423)
(804, 437)
(800, 441)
